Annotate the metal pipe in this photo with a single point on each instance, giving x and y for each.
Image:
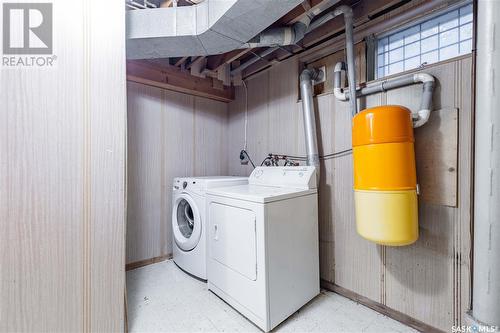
(420, 117)
(306, 91)
(363, 30)
(253, 60)
(349, 41)
(136, 4)
(293, 34)
(426, 101)
(486, 269)
(338, 91)
(149, 4)
(282, 36)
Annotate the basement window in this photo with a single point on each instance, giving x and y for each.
(436, 39)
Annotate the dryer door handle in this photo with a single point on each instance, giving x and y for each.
(216, 232)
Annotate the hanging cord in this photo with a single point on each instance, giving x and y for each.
(246, 115)
(244, 153)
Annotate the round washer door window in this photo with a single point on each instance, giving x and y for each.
(186, 222)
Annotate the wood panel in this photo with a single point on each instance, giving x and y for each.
(428, 281)
(282, 110)
(235, 132)
(258, 117)
(210, 125)
(62, 186)
(177, 155)
(107, 146)
(424, 273)
(331, 60)
(145, 109)
(436, 150)
(170, 135)
(462, 259)
(357, 262)
(439, 167)
(407, 320)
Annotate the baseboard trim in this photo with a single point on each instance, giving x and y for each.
(396, 315)
(145, 262)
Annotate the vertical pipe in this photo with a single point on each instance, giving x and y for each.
(306, 91)
(486, 270)
(351, 65)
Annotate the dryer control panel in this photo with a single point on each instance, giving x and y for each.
(300, 177)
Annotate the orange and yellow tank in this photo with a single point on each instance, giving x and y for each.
(385, 181)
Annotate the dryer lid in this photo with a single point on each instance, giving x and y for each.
(259, 194)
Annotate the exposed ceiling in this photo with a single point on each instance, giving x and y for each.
(219, 67)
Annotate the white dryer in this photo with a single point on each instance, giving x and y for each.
(189, 221)
(263, 243)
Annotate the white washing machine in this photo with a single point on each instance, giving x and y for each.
(189, 222)
(263, 243)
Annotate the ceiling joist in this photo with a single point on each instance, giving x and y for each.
(172, 78)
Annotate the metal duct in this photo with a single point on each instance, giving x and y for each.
(306, 91)
(280, 36)
(288, 35)
(210, 27)
(486, 269)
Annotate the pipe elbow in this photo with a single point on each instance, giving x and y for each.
(312, 74)
(423, 78)
(340, 66)
(305, 76)
(340, 94)
(344, 10)
(424, 113)
(422, 116)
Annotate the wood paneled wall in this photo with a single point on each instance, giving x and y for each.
(429, 280)
(170, 135)
(62, 178)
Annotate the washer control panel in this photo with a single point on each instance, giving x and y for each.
(184, 183)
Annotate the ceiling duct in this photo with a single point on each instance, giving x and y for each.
(209, 27)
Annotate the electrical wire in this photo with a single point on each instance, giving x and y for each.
(298, 158)
(336, 154)
(248, 156)
(246, 116)
(264, 161)
(304, 158)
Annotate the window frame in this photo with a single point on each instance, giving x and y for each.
(374, 52)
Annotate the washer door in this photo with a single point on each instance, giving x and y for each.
(186, 222)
